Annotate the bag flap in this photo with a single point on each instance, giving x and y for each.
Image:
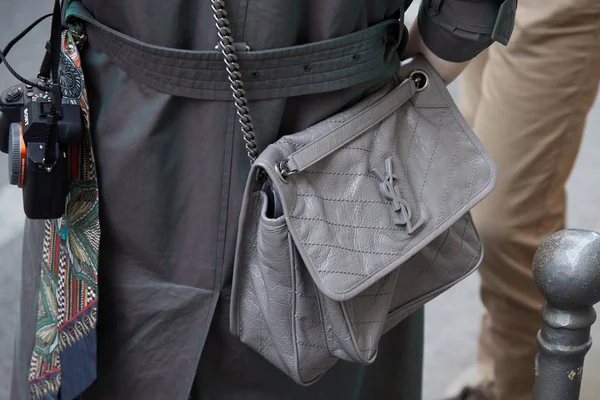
(365, 209)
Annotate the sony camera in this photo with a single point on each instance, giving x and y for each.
(36, 139)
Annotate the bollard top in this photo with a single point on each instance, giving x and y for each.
(566, 269)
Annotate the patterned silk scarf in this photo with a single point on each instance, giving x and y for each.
(63, 363)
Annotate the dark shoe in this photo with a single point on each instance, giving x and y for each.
(473, 393)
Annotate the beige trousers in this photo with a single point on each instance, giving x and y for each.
(528, 103)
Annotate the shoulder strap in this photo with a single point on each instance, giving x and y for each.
(232, 66)
(351, 128)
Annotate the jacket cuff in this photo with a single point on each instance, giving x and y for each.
(458, 30)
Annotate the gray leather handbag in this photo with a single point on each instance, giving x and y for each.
(352, 224)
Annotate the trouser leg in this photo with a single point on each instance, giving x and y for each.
(528, 103)
(470, 98)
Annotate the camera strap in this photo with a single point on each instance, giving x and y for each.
(11, 44)
(49, 72)
(50, 65)
(51, 62)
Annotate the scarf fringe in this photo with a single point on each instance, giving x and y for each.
(47, 388)
(78, 328)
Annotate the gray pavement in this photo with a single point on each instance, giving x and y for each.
(452, 320)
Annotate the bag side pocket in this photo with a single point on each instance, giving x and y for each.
(276, 310)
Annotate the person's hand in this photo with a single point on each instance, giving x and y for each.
(446, 69)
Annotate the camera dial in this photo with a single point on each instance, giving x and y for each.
(17, 156)
(13, 94)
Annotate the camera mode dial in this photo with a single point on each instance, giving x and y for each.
(13, 94)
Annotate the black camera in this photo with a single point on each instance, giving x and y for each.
(37, 137)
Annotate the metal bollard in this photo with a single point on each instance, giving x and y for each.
(566, 270)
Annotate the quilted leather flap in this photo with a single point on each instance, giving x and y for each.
(405, 177)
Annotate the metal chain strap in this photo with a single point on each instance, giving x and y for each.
(235, 77)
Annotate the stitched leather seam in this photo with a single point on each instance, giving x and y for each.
(410, 146)
(437, 142)
(299, 318)
(459, 118)
(327, 334)
(375, 228)
(339, 174)
(449, 180)
(294, 281)
(471, 181)
(343, 200)
(340, 272)
(439, 249)
(366, 322)
(374, 136)
(356, 148)
(295, 145)
(467, 224)
(311, 345)
(353, 250)
(404, 117)
(462, 240)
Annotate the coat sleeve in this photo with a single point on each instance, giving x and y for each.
(458, 30)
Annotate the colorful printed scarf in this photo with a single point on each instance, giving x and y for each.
(63, 363)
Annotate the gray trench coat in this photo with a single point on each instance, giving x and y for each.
(172, 168)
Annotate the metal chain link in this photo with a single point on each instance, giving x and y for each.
(235, 77)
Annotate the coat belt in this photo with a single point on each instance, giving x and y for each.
(367, 55)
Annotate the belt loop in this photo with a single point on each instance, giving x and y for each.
(394, 39)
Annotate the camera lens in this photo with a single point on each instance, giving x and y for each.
(17, 156)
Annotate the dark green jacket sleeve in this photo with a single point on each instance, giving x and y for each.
(458, 30)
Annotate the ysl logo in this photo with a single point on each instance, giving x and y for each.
(401, 208)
